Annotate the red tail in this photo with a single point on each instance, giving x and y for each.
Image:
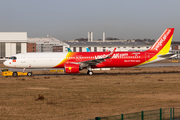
(163, 42)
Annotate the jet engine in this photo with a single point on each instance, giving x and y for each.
(71, 68)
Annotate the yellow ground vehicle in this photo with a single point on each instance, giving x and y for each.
(6, 72)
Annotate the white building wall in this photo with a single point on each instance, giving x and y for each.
(71, 48)
(38, 47)
(13, 36)
(10, 39)
(13, 49)
(99, 49)
(77, 49)
(84, 49)
(118, 49)
(65, 48)
(23, 47)
(8, 49)
(92, 49)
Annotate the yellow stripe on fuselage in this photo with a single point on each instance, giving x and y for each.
(68, 54)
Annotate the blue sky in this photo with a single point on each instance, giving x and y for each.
(71, 19)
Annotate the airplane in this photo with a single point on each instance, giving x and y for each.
(73, 62)
(69, 50)
(87, 49)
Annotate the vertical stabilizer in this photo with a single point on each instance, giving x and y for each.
(69, 50)
(162, 45)
(87, 49)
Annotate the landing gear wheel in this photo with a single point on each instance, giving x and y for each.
(15, 74)
(29, 74)
(90, 72)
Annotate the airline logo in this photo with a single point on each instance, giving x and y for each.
(161, 41)
(69, 68)
(101, 56)
(118, 55)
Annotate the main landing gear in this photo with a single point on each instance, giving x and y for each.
(89, 72)
(29, 73)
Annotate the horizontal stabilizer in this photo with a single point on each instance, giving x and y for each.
(169, 55)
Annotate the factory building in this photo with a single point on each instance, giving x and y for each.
(100, 46)
(31, 47)
(48, 44)
(12, 43)
(103, 46)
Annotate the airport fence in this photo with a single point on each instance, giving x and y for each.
(159, 114)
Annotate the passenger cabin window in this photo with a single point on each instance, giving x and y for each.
(13, 58)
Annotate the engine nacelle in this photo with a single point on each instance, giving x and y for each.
(71, 68)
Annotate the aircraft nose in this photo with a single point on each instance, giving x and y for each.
(6, 63)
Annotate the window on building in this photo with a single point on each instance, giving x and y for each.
(95, 49)
(2, 50)
(104, 49)
(89, 48)
(80, 49)
(18, 48)
(74, 49)
(66, 49)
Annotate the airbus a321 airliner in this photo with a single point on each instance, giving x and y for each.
(73, 62)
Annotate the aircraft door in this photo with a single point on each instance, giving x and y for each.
(147, 56)
(23, 58)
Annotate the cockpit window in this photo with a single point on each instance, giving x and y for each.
(13, 58)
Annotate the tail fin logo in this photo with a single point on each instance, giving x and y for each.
(162, 39)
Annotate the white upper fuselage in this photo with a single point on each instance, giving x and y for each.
(36, 60)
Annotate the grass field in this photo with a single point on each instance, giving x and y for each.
(82, 96)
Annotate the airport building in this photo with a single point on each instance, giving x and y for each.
(31, 47)
(12, 43)
(48, 44)
(101, 46)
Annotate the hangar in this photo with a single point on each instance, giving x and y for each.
(108, 45)
(12, 43)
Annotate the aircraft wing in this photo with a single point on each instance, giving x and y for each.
(95, 61)
(92, 62)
